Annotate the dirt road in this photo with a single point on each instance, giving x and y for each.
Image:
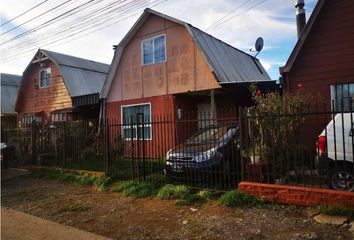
(117, 217)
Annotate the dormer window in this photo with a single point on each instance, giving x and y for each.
(153, 50)
(45, 77)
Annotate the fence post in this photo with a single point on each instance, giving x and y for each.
(64, 150)
(240, 109)
(106, 137)
(34, 142)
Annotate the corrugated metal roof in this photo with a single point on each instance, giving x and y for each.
(229, 64)
(81, 76)
(10, 85)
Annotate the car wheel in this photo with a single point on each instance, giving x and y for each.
(342, 179)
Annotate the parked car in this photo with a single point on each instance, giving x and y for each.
(211, 149)
(335, 152)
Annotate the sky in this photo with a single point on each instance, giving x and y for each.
(69, 27)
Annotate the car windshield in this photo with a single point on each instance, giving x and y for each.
(210, 135)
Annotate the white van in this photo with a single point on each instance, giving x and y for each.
(335, 152)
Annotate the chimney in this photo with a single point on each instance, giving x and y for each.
(300, 16)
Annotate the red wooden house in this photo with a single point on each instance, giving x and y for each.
(56, 87)
(322, 63)
(164, 66)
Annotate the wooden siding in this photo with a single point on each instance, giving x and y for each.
(327, 56)
(33, 99)
(184, 70)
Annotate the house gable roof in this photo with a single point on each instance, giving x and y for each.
(81, 76)
(10, 85)
(304, 34)
(228, 64)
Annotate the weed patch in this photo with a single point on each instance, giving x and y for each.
(75, 207)
(134, 189)
(238, 199)
(337, 210)
(170, 191)
(100, 182)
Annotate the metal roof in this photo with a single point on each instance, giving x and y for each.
(81, 76)
(229, 64)
(10, 85)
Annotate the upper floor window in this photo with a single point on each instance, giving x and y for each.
(342, 97)
(45, 77)
(154, 50)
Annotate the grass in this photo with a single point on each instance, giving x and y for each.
(170, 191)
(337, 210)
(100, 182)
(134, 189)
(238, 199)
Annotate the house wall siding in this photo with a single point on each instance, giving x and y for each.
(33, 99)
(185, 69)
(327, 56)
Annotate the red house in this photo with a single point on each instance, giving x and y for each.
(56, 87)
(322, 63)
(323, 58)
(164, 66)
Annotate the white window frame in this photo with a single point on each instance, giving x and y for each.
(124, 126)
(50, 80)
(153, 50)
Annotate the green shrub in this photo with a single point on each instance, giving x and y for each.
(170, 191)
(140, 190)
(121, 186)
(102, 182)
(337, 210)
(238, 199)
(134, 189)
(205, 195)
(189, 199)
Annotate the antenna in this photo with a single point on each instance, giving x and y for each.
(258, 46)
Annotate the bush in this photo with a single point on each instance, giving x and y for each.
(205, 195)
(238, 199)
(170, 191)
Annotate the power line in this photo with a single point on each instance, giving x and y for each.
(40, 15)
(237, 8)
(246, 10)
(98, 26)
(28, 10)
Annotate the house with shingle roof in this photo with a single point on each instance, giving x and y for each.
(56, 87)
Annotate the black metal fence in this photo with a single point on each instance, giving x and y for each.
(207, 150)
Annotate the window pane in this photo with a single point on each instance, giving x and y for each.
(342, 95)
(128, 133)
(159, 49)
(146, 134)
(148, 54)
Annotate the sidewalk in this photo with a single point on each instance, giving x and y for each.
(17, 225)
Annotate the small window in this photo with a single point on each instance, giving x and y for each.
(45, 78)
(154, 50)
(137, 121)
(342, 96)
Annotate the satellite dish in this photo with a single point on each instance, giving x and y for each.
(259, 44)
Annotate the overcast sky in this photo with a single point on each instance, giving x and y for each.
(274, 20)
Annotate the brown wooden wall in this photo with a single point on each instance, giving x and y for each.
(32, 99)
(184, 70)
(327, 56)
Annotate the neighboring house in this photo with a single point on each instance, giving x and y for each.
(164, 66)
(323, 58)
(56, 88)
(10, 85)
(322, 62)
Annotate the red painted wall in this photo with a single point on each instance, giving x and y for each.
(327, 56)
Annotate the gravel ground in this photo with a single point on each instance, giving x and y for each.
(114, 216)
